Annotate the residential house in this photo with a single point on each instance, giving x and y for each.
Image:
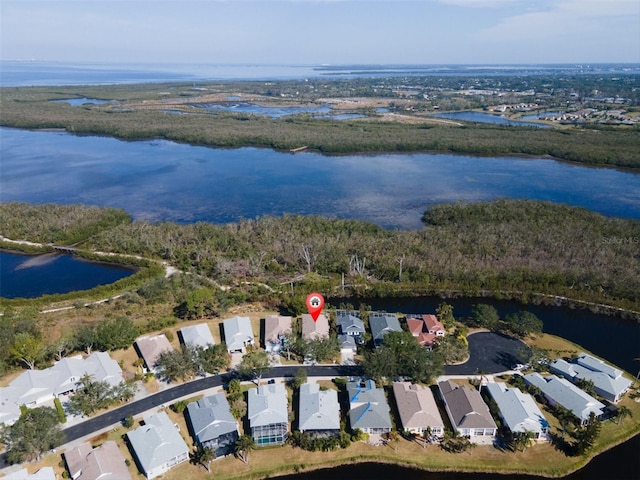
(381, 324)
(349, 323)
(426, 328)
(276, 327)
(518, 411)
(314, 329)
(35, 388)
(151, 347)
(319, 410)
(45, 473)
(417, 408)
(212, 424)
(468, 413)
(157, 446)
(105, 462)
(347, 345)
(268, 414)
(368, 408)
(197, 335)
(608, 381)
(562, 392)
(238, 333)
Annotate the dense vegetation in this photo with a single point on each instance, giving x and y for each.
(31, 108)
(504, 247)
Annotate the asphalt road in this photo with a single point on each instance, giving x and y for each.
(166, 397)
(488, 353)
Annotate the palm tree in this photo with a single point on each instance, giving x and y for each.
(204, 456)
(522, 439)
(621, 413)
(394, 437)
(425, 436)
(243, 445)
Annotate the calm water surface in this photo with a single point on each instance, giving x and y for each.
(488, 118)
(162, 180)
(30, 276)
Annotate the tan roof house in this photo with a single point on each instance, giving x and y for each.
(102, 463)
(150, 348)
(417, 408)
(314, 330)
(275, 327)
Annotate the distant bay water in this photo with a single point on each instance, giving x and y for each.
(39, 73)
(162, 180)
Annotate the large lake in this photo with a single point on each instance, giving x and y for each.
(162, 180)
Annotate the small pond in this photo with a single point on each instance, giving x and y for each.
(31, 276)
(273, 112)
(77, 102)
(480, 117)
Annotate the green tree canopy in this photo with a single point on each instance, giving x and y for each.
(254, 364)
(34, 433)
(400, 355)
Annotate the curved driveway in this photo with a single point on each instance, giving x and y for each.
(489, 352)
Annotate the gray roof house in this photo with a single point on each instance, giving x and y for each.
(268, 414)
(349, 323)
(35, 387)
(157, 445)
(319, 410)
(608, 381)
(151, 347)
(417, 408)
(467, 411)
(197, 335)
(238, 333)
(369, 410)
(381, 324)
(105, 462)
(347, 343)
(518, 410)
(275, 327)
(212, 424)
(563, 392)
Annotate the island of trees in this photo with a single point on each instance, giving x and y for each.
(392, 114)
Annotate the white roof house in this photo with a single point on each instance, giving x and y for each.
(608, 381)
(417, 408)
(36, 387)
(319, 410)
(157, 445)
(268, 414)
(197, 335)
(518, 410)
(45, 473)
(238, 333)
(314, 330)
(561, 391)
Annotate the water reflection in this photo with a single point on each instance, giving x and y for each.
(162, 180)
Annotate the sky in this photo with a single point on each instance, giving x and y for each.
(312, 32)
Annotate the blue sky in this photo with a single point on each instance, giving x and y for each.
(322, 31)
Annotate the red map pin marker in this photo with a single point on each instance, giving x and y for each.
(315, 302)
